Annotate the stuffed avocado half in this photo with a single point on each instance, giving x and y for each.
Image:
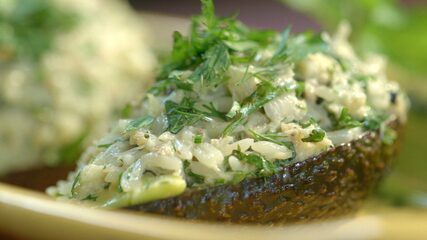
(248, 125)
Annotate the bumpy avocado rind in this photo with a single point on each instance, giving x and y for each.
(332, 184)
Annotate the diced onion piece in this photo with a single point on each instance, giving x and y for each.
(155, 160)
(345, 135)
(208, 155)
(286, 107)
(272, 151)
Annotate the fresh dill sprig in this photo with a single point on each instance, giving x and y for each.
(138, 123)
(182, 114)
(272, 137)
(263, 166)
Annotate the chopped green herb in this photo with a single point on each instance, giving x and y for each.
(346, 121)
(269, 73)
(238, 176)
(344, 63)
(193, 177)
(90, 197)
(119, 186)
(308, 123)
(106, 145)
(169, 84)
(389, 135)
(219, 181)
(182, 114)
(374, 122)
(299, 90)
(264, 167)
(377, 121)
(198, 138)
(76, 182)
(243, 58)
(127, 111)
(141, 122)
(316, 135)
(272, 137)
(213, 112)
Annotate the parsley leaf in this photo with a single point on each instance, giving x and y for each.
(316, 135)
(346, 121)
(264, 167)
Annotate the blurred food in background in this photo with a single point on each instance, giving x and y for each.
(397, 30)
(66, 69)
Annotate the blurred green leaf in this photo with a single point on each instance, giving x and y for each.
(382, 26)
(28, 28)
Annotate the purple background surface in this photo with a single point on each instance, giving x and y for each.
(256, 13)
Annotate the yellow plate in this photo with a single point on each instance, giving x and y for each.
(33, 215)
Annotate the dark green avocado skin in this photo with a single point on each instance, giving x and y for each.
(332, 184)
